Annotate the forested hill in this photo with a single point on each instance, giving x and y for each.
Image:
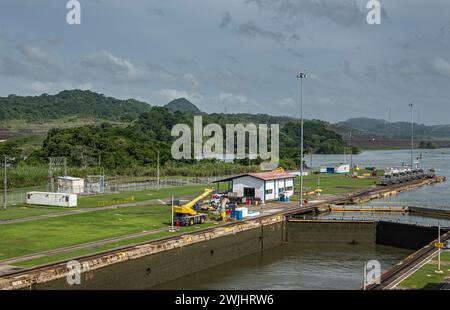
(398, 130)
(70, 103)
(146, 130)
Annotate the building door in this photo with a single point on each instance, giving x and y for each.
(249, 192)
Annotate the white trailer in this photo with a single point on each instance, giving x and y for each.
(52, 199)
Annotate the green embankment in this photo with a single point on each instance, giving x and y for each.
(41, 235)
(426, 277)
(335, 184)
(105, 247)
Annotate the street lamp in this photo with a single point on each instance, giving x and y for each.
(5, 180)
(301, 76)
(412, 135)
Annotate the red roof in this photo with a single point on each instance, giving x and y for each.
(271, 175)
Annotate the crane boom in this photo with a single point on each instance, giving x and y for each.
(188, 207)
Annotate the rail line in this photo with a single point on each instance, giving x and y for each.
(390, 276)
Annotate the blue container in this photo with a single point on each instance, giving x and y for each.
(239, 216)
(233, 214)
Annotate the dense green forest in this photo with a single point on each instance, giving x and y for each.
(132, 149)
(67, 104)
(137, 144)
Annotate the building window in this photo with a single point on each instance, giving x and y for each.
(269, 191)
(289, 188)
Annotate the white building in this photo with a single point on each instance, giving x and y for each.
(52, 199)
(70, 185)
(265, 185)
(335, 168)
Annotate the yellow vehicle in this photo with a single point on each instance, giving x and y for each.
(279, 169)
(187, 214)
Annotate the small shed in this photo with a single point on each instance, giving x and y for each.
(70, 185)
(263, 185)
(339, 168)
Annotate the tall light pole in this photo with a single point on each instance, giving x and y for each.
(412, 135)
(351, 153)
(157, 173)
(5, 184)
(301, 76)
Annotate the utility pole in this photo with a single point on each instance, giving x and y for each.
(318, 186)
(172, 214)
(351, 153)
(365, 276)
(412, 135)
(157, 172)
(439, 249)
(301, 76)
(5, 184)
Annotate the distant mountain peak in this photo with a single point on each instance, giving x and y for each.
(183, 105)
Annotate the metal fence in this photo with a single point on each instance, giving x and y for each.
(113, 185)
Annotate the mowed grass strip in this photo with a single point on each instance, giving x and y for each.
(22, 211)
(16, 212)
(426, 278)
(112, 199)
(82, 252)
(41, 235)
(335, 184)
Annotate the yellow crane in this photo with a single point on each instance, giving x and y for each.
(187, 215)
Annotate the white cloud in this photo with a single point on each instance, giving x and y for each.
(442, 67)
(167, 95)
(106, 65)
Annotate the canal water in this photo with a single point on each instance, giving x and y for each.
(326, 266)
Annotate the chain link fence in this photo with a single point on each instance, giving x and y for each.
(117, 185)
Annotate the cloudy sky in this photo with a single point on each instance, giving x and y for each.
(236, 55)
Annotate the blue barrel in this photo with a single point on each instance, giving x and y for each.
(233, 214)
(239, 216)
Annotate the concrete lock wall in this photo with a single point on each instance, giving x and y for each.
(148, 271)
(331, 232)
(405, 235)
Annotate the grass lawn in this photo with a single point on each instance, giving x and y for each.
(113, 199)
(445, 256)
(21, 211)
(15, 212)
(105, 247)
(52, 233)
(426, 278)
(334, 184)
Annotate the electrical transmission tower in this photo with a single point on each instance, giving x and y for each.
(53, 164)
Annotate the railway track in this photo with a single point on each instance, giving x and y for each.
(390, 277)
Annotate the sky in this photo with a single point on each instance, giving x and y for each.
(237, 55)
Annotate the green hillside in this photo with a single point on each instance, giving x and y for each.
(69, 103)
